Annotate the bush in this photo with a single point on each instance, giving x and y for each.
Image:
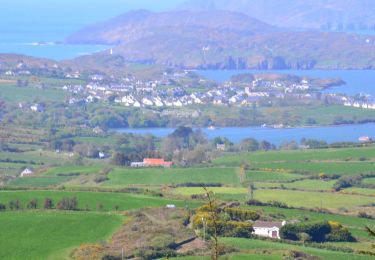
(317, 231)
(33, 204)
(242, 214)
(340, 235)
(14, 205)
(347, 182)
(68, 204)
(3, 207)
(48, 203)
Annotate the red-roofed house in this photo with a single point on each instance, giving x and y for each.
(153, 162)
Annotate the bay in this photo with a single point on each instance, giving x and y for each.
(330, 134)
(357, 81)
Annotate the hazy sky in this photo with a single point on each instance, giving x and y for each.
(65, 16)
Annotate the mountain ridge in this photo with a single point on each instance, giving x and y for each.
(317, 14)
(225, 40)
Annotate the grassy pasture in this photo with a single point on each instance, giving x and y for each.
(298, 155)
(45, 157)
(369, 181)
(187, 191)
(52, 235)
(159, 176)
(258, 245)
(311, 185)
(91, 200)
(39, 182)
(13, 93)
(341, 168)
(263, 176)
(55, 171)
(369, 192)
(313, 199)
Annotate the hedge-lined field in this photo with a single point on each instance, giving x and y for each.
(52, 235)
(91, 200)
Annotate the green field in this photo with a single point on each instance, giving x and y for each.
(310, 185)
(313, 199)
(368, 192)
(186, 191)
(37, 182)
(158, 176)
(30, 94)
(52, 235)
(343, 154)
(369, 181)
(260, 176)
(90, 200)
(66, 170)
(259, 245)
(341, 168)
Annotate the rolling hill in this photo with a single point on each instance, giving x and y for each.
(225, 40)
(327, 14)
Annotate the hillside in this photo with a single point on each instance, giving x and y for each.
(136, 25)
(328, 14)
(225, 40)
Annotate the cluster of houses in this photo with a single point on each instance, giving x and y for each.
(132, 92)
(160, 93)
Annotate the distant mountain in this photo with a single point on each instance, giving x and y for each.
(326, 14)
(139, 24)
(225, 40)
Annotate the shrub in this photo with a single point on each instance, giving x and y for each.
(33, 204)
(14, 205)
(68, 204)
(241, 214)
(317, 231)
(48, 203)
(3, 207)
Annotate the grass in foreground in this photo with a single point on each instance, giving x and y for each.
(51, 235)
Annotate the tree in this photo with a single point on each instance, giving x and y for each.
(265, 146)
(214, 218)
(68, 204)
(249, 145)
(14, 205)
(33, 204)
(48, 203)
(252, 189)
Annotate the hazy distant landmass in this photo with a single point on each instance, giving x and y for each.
(325, 14)
(225, 40)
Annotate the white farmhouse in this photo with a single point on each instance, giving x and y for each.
(27, 172)
(268, 229)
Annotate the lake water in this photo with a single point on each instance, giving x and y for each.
(357, 81)
(349, 133)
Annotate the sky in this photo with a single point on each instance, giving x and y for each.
(23, 16)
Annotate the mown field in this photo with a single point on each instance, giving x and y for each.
(13, 93)
(52, 235)
(157, 177)
(91, 200)
(272, 250)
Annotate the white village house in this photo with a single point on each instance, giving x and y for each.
(268, 229)
(27, 172)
